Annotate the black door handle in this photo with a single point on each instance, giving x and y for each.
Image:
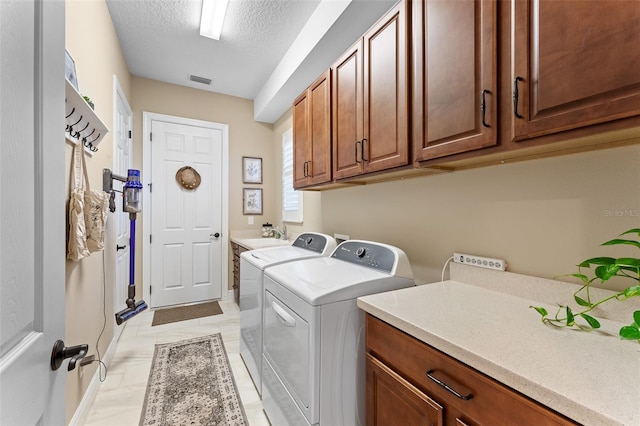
(121, 247)
(61, 352)
(483, 108)
(516, 95)
(216, 235)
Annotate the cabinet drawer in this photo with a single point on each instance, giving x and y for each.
(479, 397)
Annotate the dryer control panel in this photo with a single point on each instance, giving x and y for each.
(366, 254)
(310, 241)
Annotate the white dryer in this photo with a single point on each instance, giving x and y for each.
(314, 334)
(252, 266)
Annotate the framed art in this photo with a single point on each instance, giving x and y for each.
(252, 201)
(70, 70)
(251, 170)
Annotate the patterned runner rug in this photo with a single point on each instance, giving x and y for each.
(191, 383)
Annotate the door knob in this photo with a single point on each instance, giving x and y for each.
(61, 352)
(121, 247)
(216, 235)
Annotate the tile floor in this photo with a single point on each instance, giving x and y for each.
(120, 397)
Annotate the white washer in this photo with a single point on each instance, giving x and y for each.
(313, 363)
(252, 266)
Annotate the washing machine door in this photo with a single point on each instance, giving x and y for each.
(291, 347)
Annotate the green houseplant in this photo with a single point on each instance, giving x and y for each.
(604, 268)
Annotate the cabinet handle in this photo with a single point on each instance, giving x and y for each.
(443, 385)
(309, 174)
(356, 151)
(304, 169)
(516, 95)
(483, 108)
(362, 150)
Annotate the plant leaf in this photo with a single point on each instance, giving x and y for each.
(632, 231)
(570, 317)
(581, 277)
(618, 241)
(629, 262)
(594, 323)
(632, 291)
(597, 261)
(580, 301)
(629, 333)
(542, 311)
(636, 318)
(605, 272)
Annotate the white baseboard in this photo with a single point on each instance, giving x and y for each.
(82, 411)
(229, 295)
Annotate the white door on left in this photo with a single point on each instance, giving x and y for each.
(32, 222)
(186, 223)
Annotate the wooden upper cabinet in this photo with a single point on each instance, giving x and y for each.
(455, 80)
(574, 64)
(312, 134)
(347, 113)
(370, 99)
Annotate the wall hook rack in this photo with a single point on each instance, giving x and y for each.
(80, 115)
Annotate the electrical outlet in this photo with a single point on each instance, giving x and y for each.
(250, 220)
(482, 262)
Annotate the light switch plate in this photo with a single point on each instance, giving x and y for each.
(250, 220)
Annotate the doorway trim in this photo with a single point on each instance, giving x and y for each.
(118, 293)
(147, 118)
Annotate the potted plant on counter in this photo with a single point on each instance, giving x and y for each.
(605, 268)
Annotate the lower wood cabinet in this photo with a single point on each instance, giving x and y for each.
(237, 250)
(411, 383)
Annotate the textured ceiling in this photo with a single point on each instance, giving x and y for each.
(160, 40)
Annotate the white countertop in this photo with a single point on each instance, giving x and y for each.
(592, 378)
(258, 243)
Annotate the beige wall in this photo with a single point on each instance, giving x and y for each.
(542, 216)
(92, 42)
(246, 138)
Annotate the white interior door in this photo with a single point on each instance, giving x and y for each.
(32, 222)
(122, 161)
(186, 224)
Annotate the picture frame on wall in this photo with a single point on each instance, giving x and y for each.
(70, 69)
(251, 170)
(252, 201)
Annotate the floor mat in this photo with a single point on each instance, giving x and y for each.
(191, 383)
(182, 313)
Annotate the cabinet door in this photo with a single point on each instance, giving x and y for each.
(347, 113)
(312, 134)
(574, 64)
(319, 166)
(386, 81)
(391, 400)
(301, 139)
(455, 80)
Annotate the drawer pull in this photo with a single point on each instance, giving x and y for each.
(443, 385)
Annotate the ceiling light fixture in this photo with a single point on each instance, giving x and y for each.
(212, 18)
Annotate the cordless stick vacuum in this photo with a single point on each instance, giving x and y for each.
(132, 204)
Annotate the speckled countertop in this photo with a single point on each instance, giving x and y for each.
(258, 243)
(592, 378)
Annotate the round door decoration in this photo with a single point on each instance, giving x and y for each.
(188, 177)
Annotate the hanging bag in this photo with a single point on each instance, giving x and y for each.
(77, 245)
(87, 211)
(96, 208)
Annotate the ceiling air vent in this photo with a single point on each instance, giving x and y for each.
(198, 79)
